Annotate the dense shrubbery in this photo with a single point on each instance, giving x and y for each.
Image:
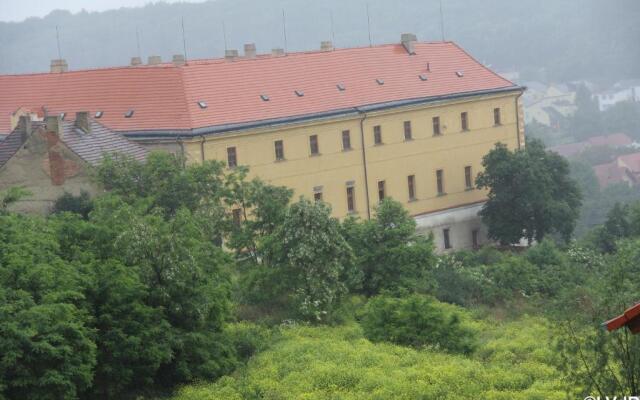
(417, 321)
(323, 363)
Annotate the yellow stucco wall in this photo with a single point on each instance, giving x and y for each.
(392, 161)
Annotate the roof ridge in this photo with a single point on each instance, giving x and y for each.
(479, 63)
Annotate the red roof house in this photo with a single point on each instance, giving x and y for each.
(210, 96)
(630, 318)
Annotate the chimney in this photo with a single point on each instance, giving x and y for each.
(231, 54)
(82, 121)
(277, 52)
(54, 124)
(326, 45)
(154, 60)
(250, 50)
(408, 41)
(24, 127)
(59, 65)
(136, 61)
(178, 60)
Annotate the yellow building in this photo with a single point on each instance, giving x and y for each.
(410, 121)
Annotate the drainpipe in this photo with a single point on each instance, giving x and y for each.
(202, 148)
(518, 119)
(364, 160)
(182, 155)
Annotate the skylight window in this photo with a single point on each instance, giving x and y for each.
(264, 97)
(423, 77)
(129, 114)
(98, 114)
(299, 93)
(62, 115)
(341, 87)
(460, 74)
(202, 104)
(380, 81)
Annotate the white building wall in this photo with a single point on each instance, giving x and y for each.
(460, 221)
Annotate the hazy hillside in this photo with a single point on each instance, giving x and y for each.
(562, 40)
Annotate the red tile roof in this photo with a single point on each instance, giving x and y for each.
(165, 97)
(630, 161)
(615, 139)
(609, 173)
(630, 319)
(570, 149)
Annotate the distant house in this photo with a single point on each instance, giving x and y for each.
(628, 90)
(548, 104)
(624, 169)
(53, 156)
(615, 140)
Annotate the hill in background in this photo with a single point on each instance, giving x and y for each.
(560, 41)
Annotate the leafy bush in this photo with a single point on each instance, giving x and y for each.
(417, 321)
(80, 204)
(338, 363)
(248, 339)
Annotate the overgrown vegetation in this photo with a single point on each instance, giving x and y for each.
(161, 283)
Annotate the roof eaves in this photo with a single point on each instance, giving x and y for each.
(217, 129)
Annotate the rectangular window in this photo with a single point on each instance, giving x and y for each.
(279, 150)
(436, 126)
(447, 239)
(496, 116)
(377, 134)
(317, 196)
(351, 203)
(464, 121)
(346, 140)
(411, 184)
(232, 160)
(381, 190)
(407, 130)
(237, 216)
(313, 145)
(475, 238)
(440, 181)
(467, 177)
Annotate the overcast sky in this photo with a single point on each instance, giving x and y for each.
(18, 10)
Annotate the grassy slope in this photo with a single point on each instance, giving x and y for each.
(513, 362)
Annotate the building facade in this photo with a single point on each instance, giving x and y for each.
(410, 121)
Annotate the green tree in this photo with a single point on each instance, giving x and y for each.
(389, 252)
(46, 345)
(530, 194)
(310, 250)
(80, 204)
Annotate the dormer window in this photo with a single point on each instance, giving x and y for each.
(380, 81)
(299, 93)
(98, 114)
(202, 104)
(459, 74)
(264, 97)
(341, 87)
(62, 115)
(423, 77)
(129, 114)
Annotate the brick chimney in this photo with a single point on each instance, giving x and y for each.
(326, 45)
(408, 41)
(178, 60)
(59, 65)
(277, 52)
(250, 50)
(82, 121)
(154, 60)
(135, 61)
(231, 54)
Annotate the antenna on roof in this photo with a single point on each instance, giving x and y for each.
(138, 42)
(441, 21)
(369, 25)
(333, 34)
(224, 35)
(184, 40)
(284, 30)
(58, 42)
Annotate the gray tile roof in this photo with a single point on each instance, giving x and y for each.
(93, 145)
(89, 146)
(10, 146)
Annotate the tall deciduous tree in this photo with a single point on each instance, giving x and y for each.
(530, 194)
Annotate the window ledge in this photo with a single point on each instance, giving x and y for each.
(280, 160)
(378, 144)
(315, 154)
(470, 189)
(442, 194)
(346, 150)
(413, 200)
(408, 139)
